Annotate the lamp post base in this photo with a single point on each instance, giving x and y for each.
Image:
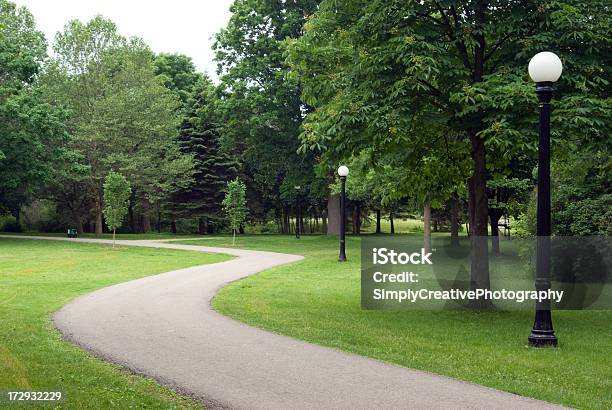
(342, 258)
(546, 339)
(542, 334)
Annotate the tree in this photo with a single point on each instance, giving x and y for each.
(31, 131)
(234, 205)
(179, 74)
(261, 104)
(382, 72)
(199, 138)
(117, 193)
(121, 115)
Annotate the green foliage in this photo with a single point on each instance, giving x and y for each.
(582, 194)
(121, 115)
(261, 105)
(420, 80)
(179, 74)
(22, 47)
(31, 131)
(116, 199)
(586, 217)
(234, 203)
(213, 168)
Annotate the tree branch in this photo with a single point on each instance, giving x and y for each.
(497, 45)
(451, 34)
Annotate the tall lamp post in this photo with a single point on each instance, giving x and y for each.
(298, 212)
(343, 171)
(544, 69)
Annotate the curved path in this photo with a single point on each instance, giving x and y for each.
(163, 326)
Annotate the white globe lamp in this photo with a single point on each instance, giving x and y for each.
(545, 67)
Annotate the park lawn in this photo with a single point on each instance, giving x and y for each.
(318, 300)
(119, 236)
(39, 277)
(400, 225)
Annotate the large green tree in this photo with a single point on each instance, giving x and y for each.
(213, 168)
(262, 106)
(121, 114)
(31, 131)
(385, 71)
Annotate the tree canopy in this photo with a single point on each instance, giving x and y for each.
(31, 130)
(428, 102)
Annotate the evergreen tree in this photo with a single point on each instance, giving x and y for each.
(213, 168)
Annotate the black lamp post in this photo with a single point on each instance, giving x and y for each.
(544, 68)
(298, 213)
(343, 172)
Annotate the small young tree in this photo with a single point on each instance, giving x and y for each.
(234, 205)
(116, 201)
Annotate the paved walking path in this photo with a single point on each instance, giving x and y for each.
(163, 326)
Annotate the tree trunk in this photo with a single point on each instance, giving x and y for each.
(470, 205)
(173, 226)
(17, 215)
(301, 221)
(324, 221)
(158, 221)
(454, 220)
(146, 223)
(98, 210)
(146, 216)
(286, 223)
(131, 219)
(427, 227)
(378, 221)
(357, 219)
(479, 274)
(202, 226)
(391, 223)
(333, 214)
(76, 218)
(494, 216)
(241, 229)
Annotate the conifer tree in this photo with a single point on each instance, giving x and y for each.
(213, 168)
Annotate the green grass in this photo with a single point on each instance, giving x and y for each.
(318, 300)
(36, 279)
(120, 236)
(400, 225)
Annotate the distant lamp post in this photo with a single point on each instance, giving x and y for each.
(544, 69)
(343, 171)
(298, 212)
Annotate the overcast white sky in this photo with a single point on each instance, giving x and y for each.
(182, 26)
